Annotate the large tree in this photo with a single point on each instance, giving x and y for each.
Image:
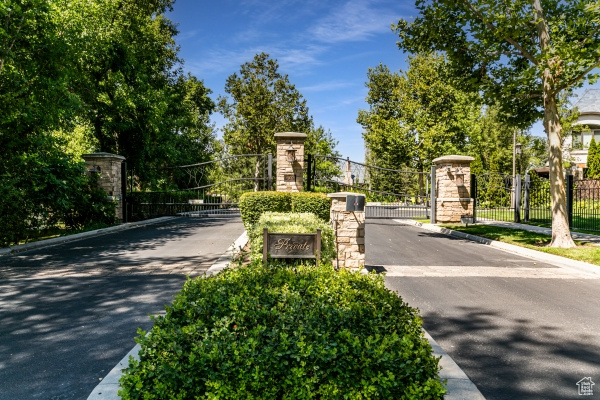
(138, 101)
(264, 102)
(522, 54)
(490, 143)
(416, 115)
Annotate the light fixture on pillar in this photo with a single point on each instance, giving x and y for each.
(518, 152)
(459, 176)
(291, 154)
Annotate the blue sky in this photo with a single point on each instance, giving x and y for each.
(324, 46)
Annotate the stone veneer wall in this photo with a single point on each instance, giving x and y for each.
(108, 166)
(350, 231)
(452, 199)
(289, 177)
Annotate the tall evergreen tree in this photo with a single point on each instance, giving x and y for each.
(593, 160)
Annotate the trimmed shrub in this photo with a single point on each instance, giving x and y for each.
(284, 333)
(316, 203)
(292, 223)
(254, 204)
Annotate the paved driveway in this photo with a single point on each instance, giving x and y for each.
(519, 328)
(69, 313)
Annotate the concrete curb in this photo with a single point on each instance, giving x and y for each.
(593, 270)
(458, 385)
(79, 236)
(108, 388)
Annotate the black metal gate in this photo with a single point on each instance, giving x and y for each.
(390, 193)
(208, 188)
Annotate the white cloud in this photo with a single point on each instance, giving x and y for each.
(356, 20)
(327, 86)
(222, 61)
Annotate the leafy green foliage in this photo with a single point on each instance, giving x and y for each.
(417, 115)
(264, 102)
(522, 55)
(316, 203)
(292, 222)
(138, 101)
(491, 144)
(89, 75)
(254, 204)
(284, 333)
(46, 190)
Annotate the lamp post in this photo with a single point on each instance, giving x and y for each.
(518, 151)
(291, 154)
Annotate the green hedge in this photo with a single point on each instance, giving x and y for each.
(292, 223)
(316, 203)
(284, 333)
(254, 204)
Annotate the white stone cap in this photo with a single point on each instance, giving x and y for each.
(290, 135)
(454, 158)
(345, 194)
(102, 155)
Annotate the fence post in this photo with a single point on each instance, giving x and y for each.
(270, 171)
(474, 196)
(517, 208)
(308, 173)
(124, 190)
(526, 198)
(570, 199)
(433, 199)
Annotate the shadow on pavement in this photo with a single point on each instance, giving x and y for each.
(73, 330)
(490, 347)
(135, 246)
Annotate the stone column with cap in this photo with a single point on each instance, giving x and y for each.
(289, 176)
(108, 168)
(349, 228)
(453, 187)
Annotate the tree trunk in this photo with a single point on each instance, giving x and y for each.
(561, 234)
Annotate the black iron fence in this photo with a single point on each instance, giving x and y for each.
(389, 193)
(527, 199)
(212, 187)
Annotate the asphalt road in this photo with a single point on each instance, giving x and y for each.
(69, 313)
(519, 328)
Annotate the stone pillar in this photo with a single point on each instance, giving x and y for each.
(108, 168)
(349, 228)
(453, 186)
(289, 176)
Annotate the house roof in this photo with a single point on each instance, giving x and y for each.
(589, 102)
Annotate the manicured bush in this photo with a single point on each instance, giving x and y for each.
(284, 333)
(254, 204)
(316, 203)
(292, 223)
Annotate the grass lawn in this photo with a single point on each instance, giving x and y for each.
(583, 252)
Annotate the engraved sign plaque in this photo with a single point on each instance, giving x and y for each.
(292, 245)
(289, 178)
